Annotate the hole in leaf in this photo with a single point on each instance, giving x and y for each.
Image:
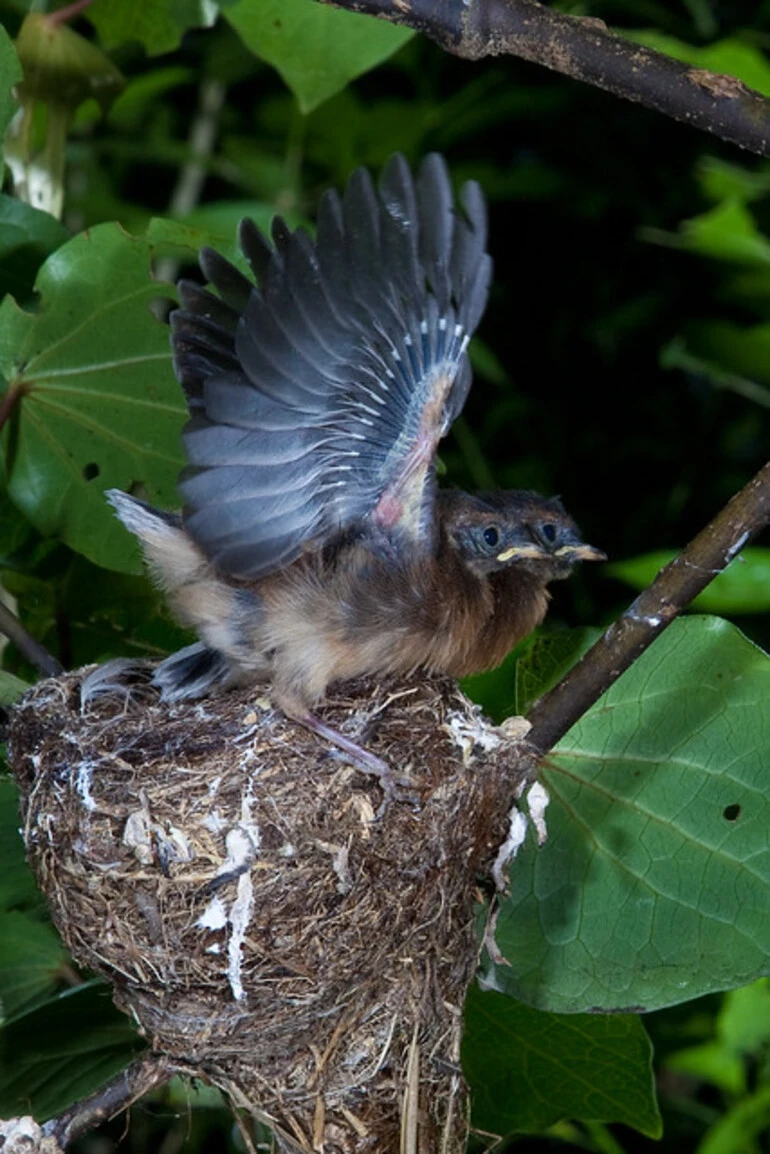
(731, 812)
(91, 472)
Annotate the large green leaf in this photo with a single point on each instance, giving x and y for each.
(27, 236)
(99, 405)
(62, 1051)
(744, 587)
(653, 885)
(158, 26)
(527, 1070)
(31, 959)
(316, 49)
(17, 885)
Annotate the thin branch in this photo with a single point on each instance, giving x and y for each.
(139, 1078)
(35, 653)
(672, 591)
(584, 48)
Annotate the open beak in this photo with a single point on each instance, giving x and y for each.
(521, 551)
(580, 553)
(567, 552)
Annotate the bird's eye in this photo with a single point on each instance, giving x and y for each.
(549, 532)
(491, 536)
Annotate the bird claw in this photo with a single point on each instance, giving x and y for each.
(393, 786)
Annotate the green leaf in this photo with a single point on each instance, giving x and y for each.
(17, 885)
(742, 1128)
(99, 404)
(63, 1051)
(743, 1024)
(742, 350)
(527, 1070)
(547, 659)
(731, 56)
(743, 587)
(726, 232)
(722, 180)
(10, 75)
(316, 49)
(27, 236)
(11, 688)
(652, 887)
(712, 1063)
(158, 27)
(62, 68)
(31, 959)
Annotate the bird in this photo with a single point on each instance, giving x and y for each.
(314, 544)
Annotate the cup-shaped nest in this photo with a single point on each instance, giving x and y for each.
(224, 869)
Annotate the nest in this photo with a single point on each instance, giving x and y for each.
(224, 869)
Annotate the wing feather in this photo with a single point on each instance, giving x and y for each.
(319, 393)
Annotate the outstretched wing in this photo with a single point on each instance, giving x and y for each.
(318, 395)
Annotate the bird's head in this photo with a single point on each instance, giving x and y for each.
(514, 528)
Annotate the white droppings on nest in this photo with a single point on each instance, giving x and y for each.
(471, 733)
(24, 1136)
(488, 979)
(136, 835)
(84, 779)
(537, 799)
(214, 822)
(242, 844)
(214, 917)
(239, 918)
(149, 839)
(172, 843)
(474, 733)
(514, 840)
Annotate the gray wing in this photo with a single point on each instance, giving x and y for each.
(319, 393)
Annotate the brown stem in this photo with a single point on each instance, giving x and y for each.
(672, 591)
(68, 12)
(143, 1075)
(583, 48)
(34, 652)
(10, 401)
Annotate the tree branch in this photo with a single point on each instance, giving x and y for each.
(672, 591)
(583, 48)
(35, 653)
(143, 1075)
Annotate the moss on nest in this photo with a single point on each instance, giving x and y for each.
(222, 867)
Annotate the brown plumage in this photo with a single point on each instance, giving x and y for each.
(314, 546)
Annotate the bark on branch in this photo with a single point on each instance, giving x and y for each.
(584, 48)
(143, 1075)
(672, 591)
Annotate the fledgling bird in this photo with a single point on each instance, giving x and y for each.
(314, 545)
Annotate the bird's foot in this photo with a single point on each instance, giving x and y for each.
(392, 786)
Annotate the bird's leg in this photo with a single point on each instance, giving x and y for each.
(362, 758)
